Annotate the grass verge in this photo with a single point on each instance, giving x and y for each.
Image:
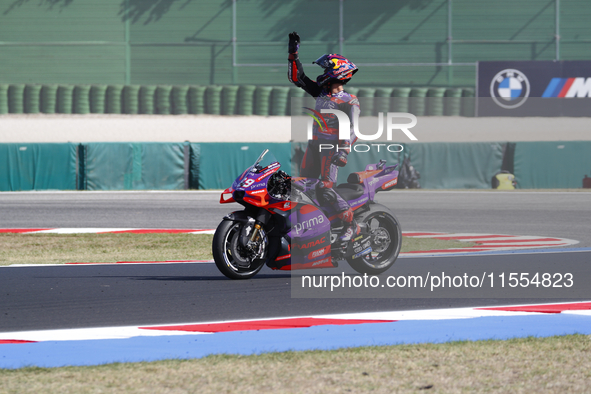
(101, 248)
(528, 365)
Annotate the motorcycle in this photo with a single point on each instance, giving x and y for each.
(283, 225)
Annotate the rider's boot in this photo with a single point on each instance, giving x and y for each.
(352, 229)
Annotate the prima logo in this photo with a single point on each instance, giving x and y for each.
(306, 224)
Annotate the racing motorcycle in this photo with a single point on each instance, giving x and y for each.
(283, 225)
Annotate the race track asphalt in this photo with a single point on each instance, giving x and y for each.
(94, 296)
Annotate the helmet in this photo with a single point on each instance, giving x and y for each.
(336, 68)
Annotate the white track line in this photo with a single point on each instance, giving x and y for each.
(134, 331)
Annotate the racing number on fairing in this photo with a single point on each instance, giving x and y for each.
(248, 182)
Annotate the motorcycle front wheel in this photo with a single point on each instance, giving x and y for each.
(232, 259)
(386, 242)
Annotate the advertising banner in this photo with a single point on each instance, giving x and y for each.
(534, 88)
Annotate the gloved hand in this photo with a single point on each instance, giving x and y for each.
(340, 158)
(294, 43)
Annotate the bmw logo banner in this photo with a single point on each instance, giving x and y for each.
(534, 88)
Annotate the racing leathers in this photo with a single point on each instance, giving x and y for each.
(323, 163)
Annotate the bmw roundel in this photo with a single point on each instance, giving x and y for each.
(509, 88)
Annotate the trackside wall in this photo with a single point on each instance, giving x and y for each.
(191, 165)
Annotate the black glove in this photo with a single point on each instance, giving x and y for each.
(294, 43)
(340, 159)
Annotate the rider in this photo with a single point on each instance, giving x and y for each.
(330, 94)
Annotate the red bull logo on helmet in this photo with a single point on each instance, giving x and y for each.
(339, 62)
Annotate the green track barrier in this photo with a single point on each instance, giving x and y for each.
(262, 96)
(367, 109)
(134, 166)
(131, 99)
(279, 100)
(352, 90)
(417, 102)
(48, 97)
(225, 100)
(196, 98)
(552, 165)
(456, 165)
(16, 95)
(3, 99)
(38, 166)
(453, 102)
(213, 100)
(162, 99)
(178, 96)
(383, 100)
(221, 163)
(120, 166)
(468, 102)
(97, 98)
(400, 100)
(32, 95)
(435, 101)
(64, 99)
(229, 99)
(194, 163)
(146, 99)
(113, 99)
(246, 99)
(81, 99)
(296, 100)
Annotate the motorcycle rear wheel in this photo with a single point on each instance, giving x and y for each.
(386, 242)
(228, 255)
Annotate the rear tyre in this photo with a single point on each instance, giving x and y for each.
(386, 242)
(232, 259)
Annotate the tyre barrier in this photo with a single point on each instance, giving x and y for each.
(417, 102)
(296, 101)
(279, 99)
(16, 94)
(113, 99)
(221, 100)
(178, 96)
(146, 99)
(130, 98)
(262, 95)
(196, 97)
(3, 99)
(31, 96)
(453, 102)
(246, 100)
(48, 99)
(162, 100)
(64, 99)
(213, 100)
(97, 99)
(400, 99)
(81, 99)
(435, 102)
(229, 99)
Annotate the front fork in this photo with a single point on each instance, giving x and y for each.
(254, 236)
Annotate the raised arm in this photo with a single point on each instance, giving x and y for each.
(295, 70)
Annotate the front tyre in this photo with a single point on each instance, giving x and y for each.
(233, 259)
(386, 241)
